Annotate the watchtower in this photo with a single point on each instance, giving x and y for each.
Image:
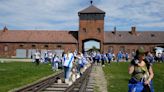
(91, 26)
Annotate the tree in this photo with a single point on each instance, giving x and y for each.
(93, 49)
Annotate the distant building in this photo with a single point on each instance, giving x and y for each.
(22, 43)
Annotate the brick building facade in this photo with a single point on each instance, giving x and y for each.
(23, 43)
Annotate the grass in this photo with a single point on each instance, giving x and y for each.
(117, 77)
(16, 74)
(96, 89)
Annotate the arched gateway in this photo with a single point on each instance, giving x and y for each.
(91, 27)
(90, 44)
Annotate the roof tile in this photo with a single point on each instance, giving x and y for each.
(92, 9)
(139, 37)
(38, 36)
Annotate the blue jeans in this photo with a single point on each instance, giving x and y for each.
(67, 71)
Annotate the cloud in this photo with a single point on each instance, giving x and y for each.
(38, 13)
(126, 13)
(62, 15)
(154, 24)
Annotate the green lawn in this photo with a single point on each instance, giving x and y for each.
(117, 77)
(16, 74)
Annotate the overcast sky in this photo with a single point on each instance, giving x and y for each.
(146, 15)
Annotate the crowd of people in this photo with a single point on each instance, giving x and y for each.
(96, 57)
(75, 63)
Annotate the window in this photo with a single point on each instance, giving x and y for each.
(21, 46)
(46, 46)
(59, 46)
(99, 30)
(84, 29)
(33, 46)
(5, 48)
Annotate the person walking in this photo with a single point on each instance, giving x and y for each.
(142, 73)
(109, 55)
(37, 57)
(126, 57)
(79, 61)
(103, 59)
(68, 64)
(119, 56)
(45, 57)
(55, 63)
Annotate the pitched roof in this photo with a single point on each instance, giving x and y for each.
(91, 9)
(139, 37)
(72, 36)
(38, 36)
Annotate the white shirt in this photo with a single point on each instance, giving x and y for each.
(68, 60)
(45, 54)
(79, 59)
(50, 55)
(56, 59)
(37, 55)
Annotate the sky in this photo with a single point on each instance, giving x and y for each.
(90, 44)
(146, 15)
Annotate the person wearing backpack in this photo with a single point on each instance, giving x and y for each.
(142, 73)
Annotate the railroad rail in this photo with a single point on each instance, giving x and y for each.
(50, 84)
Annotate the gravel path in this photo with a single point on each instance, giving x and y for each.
(100, 81)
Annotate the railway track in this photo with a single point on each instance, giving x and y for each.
(50, 84)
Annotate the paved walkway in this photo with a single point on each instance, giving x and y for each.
(100, 82)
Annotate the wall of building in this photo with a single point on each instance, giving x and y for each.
(94, 30)
(127, 47)
(9, 49)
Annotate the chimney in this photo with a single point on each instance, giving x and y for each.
(5, 29)
(114, 31)
(133, 30)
